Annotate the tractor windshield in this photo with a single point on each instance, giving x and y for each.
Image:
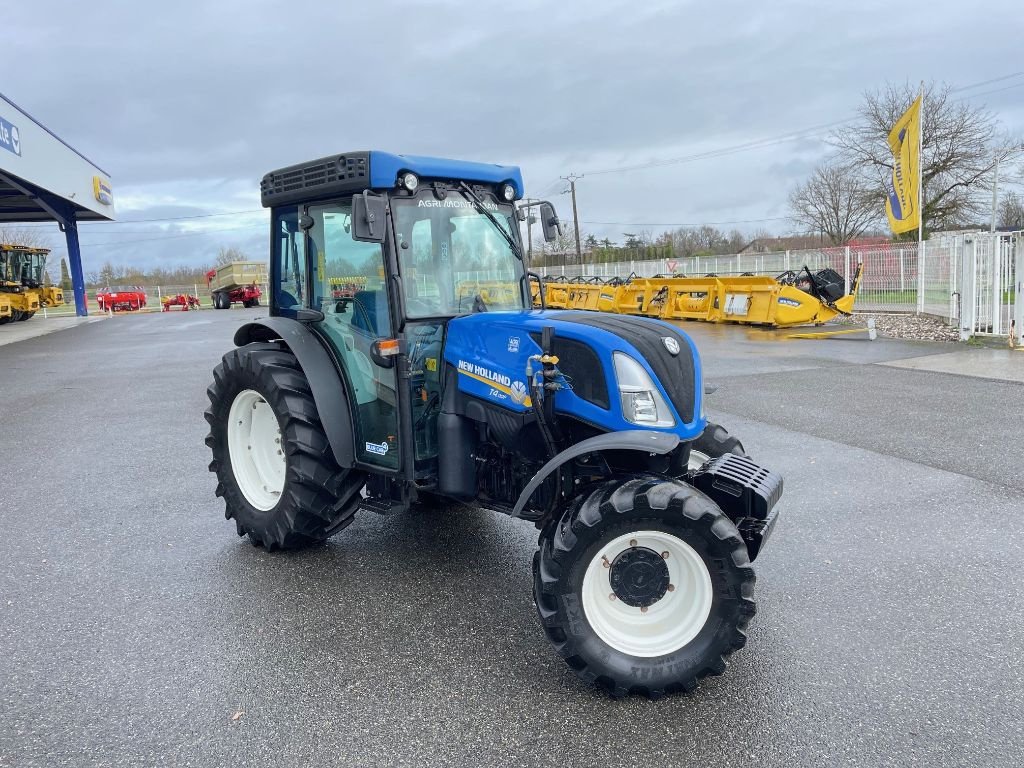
(453, 257)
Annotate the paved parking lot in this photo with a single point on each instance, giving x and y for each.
(135, 625)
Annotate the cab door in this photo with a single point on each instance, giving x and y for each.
(347, 284)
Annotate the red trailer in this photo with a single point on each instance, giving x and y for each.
(237, 281)
(121, 298)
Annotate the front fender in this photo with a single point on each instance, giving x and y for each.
(631, 440)
(325, 382)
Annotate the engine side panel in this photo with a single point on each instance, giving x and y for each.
(490, 352)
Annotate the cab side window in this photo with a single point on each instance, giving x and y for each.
(288, 276)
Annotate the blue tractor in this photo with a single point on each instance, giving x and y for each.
(402, 363)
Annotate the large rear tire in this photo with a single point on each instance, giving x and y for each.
(274, 465)
(644, 586)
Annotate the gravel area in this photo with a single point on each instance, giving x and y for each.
(920, 327)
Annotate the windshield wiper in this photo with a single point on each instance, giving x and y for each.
(479, 204)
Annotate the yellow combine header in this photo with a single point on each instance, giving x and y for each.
(791, 299)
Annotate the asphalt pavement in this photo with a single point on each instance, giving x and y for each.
(136, 628)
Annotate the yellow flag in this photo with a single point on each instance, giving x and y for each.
(901, 201)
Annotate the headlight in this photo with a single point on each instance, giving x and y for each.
(508, 192)
(410, 182)
(642, 403)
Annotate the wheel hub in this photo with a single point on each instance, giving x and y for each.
(639, 577)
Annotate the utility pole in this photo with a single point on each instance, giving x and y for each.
(572, 178)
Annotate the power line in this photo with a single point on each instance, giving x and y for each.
(116, 243)
(786, 137)
(673, 224)
(149, 221)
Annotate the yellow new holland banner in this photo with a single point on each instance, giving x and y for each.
(901, 204)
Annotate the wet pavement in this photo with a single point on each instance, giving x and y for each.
(135, 625)
(40, 325)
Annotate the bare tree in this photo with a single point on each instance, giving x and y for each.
(1010, 213)
(960, 149)
(836, 201)
(228, 254)
(32, 237)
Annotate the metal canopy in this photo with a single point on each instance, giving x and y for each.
(21, 203)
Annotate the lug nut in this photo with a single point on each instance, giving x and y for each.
(632, 543)
(643, 609)
(605, 561)
(664, 555)
(611, 596)
(671, 587)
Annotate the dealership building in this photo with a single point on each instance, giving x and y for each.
(43, 178)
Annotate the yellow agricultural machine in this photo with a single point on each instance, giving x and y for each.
(17, 281)
(33, 276)
(791, 299)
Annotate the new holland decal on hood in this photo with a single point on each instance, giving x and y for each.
(502, 386)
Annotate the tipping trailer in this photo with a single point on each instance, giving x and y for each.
(237, 282)
(431, 380)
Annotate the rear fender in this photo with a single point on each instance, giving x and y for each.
(639, 440)
(325, 382)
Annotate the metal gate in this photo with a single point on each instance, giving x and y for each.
(990, 275)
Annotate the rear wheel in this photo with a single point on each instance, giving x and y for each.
(644, 586)
(274, 465)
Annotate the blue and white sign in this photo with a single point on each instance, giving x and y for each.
(10, 137)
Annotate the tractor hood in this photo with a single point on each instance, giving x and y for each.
(491, 350)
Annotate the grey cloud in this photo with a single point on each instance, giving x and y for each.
(200, 99)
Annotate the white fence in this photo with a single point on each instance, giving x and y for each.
(971, 280)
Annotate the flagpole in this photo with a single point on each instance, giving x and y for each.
(920, 176)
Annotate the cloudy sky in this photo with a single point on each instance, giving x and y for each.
(188, 104)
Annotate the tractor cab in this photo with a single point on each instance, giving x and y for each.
(418, 242)
(21, 280)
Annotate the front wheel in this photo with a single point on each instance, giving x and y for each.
(274, 465)
(715, 441)
(644, 586)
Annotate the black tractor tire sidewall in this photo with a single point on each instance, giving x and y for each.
(716, 441)
(318, 498)
(692, 517)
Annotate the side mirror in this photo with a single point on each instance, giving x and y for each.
(549, 222)
(368, 215)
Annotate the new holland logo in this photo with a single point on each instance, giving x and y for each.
(518, 391)
(381, 449)
(486, 374)
(788, 302)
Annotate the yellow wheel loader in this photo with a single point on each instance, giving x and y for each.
(16, 286)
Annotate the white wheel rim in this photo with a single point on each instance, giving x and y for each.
(669, 623)
(256, 451)
(697, 460)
